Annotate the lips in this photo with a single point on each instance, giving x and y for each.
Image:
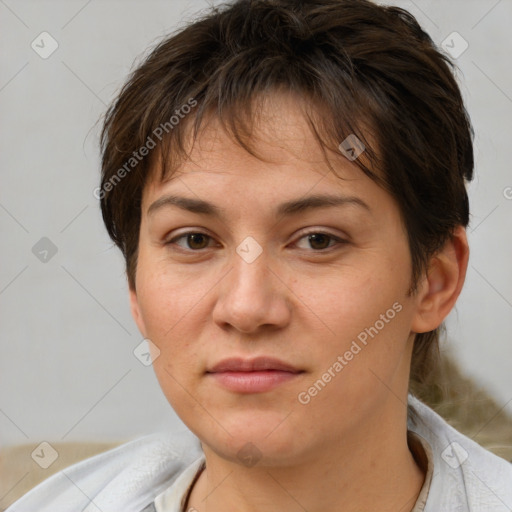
(252, 375)
(252, 365)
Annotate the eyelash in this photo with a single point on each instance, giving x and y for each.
(339, 241)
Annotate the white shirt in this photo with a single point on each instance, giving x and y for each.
(155, 472)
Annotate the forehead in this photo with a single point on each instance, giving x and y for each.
(289, 161)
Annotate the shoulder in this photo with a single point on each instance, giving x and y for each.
(126, 478)
(466, 475)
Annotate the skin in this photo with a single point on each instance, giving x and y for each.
(299, 301)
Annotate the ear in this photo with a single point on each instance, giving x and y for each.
(442, 285)
(136, 313)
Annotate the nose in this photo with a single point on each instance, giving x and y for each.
(253, 297)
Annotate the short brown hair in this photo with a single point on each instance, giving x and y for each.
(367, 70)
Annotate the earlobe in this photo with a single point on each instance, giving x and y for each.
(136, 313)
(443, 283)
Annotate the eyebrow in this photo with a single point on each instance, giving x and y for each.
(288, 208)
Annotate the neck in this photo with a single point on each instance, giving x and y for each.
(369, 469)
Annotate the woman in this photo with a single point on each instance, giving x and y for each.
(286, 181)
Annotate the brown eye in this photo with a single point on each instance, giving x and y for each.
(197, 239)
(193, 241)
(319, 241)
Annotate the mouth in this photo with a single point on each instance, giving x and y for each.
(252, 375)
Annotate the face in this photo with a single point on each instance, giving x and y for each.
(280, 322)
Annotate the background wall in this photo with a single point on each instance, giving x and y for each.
(67, 369)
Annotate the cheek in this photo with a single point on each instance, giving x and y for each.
(170, 310)
(175, 307)
(166, 299)
(363, 315)
(360, 369)
(349, 300)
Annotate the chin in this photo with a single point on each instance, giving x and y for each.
(255, 439)
(263, 453)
